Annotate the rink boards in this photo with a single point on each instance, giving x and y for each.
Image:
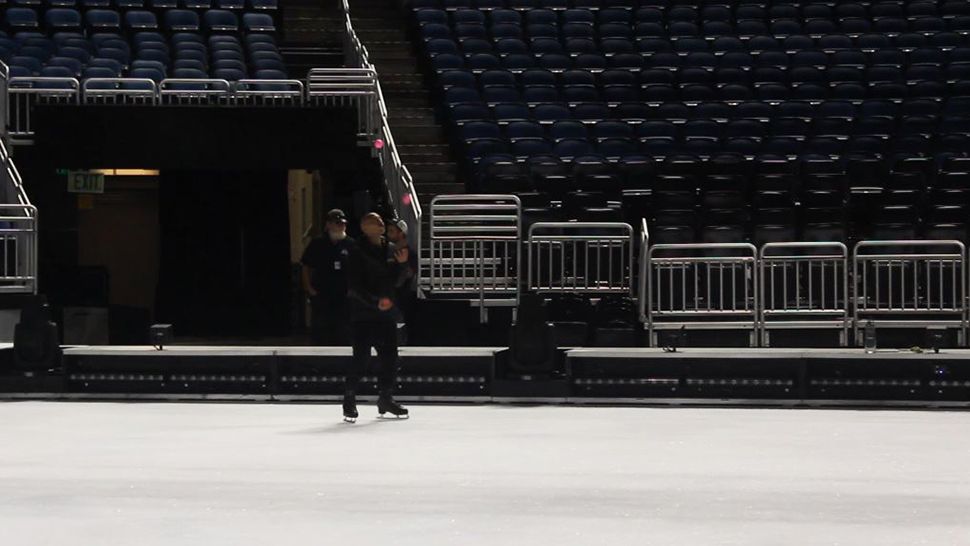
(480, 374)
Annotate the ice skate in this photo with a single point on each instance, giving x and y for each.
(386, 404)
(350, 408)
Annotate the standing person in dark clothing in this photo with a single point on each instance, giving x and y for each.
(325, 280)
(374, 271)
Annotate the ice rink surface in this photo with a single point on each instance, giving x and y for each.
(145, 474)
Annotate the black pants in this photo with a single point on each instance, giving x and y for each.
(382, 336)
(330, 323)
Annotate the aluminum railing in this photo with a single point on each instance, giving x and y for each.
(4, 102)
(194, 92)
(596, 258)
(475, 248)
(804, 285)
(119, 92)
(642, 263)
(24, 94)
(271, 93)
(910, 284)
(18, 231)
(702, 286)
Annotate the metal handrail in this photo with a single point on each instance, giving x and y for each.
(218, 86)
(644, 260)
(20, 219)
(397, 177)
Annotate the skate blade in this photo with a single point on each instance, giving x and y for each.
(393, 417)
(350, 420)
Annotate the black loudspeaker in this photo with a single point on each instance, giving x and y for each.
(35, 342)
(532, 347)
(160, 335)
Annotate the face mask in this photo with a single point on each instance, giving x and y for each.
(336, 236)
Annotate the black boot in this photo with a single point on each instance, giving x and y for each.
(386, 404)
(350, 407)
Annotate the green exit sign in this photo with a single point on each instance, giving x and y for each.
(85, 182)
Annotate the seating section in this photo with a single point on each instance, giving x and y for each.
(719, 122)
(150, 39)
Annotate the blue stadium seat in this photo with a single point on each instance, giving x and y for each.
(229, 74)
(217, 20)
(227, 55)
(180, 20)
(189, 73)
(103, 20)
(138, 20)
(156, 66)
(191, 64)
(21, 19)
(100, 72)
(109, 64)
(258, 22)
(31, 64)
(81, 55)
(71, 64)
(232, 64)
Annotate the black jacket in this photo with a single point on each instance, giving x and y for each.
(328, 260)
(372, 274)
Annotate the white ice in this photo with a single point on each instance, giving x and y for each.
(145, 474)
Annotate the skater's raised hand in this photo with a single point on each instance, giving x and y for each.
(384, 304)
(401, 255)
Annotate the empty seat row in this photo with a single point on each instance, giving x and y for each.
(478, 62)
(668, 145)
(709, 129)
(659, 93)
(568, 81)
(152, 57)
(677, 112)
(539, 41)
(717, 11)
(918, 31)
(938, 185)
(98, 20)
(709, 13)
(257, 5)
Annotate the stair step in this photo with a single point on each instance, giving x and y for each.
(416, 134)
(442, 188)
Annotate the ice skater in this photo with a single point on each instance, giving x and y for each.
(374, 271)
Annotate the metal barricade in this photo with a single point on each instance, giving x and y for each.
(273, 93)
(194, 92)
(18, 232)
(475, 248)
(594, 258)
(24, 94)
(910, 284)
(711, 286)
(119, 92)
(804, 285)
